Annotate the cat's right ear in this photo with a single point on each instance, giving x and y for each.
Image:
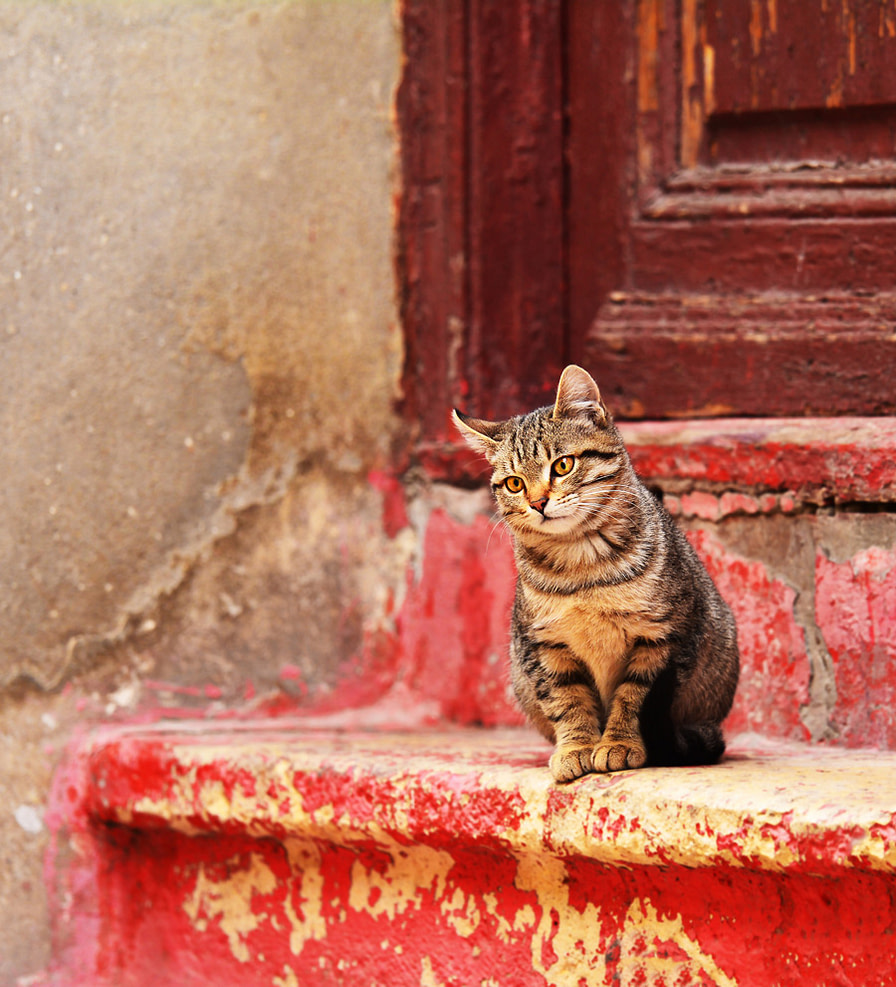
(578, 395)
(483, 436)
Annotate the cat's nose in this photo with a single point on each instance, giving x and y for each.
(539, 505)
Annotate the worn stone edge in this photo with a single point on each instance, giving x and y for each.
(812, 810)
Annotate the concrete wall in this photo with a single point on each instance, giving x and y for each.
(200, 353)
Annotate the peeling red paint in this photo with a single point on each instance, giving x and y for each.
(440, 653)
(813, 460)
(297, 851)
(856, 604)
(848, 459)
(713, 507)
(395, 516)
(453, 626)
(268, 856)
(775, 667)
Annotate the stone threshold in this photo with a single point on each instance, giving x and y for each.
(766, 807)
(794, 463)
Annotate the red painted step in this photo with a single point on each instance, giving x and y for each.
(273, 853)
(814, 460)
(267, 854)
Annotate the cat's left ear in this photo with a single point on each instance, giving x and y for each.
(577, 394)
(483, 436)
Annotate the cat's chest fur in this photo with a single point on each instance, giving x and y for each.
(599, 625)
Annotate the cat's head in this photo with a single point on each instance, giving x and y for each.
(555, 469)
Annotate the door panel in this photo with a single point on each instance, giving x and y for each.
(755, 245)
(769, 55)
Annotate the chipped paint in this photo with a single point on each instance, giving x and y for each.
(565, 946)
(389, 858)
(228, 902)
(887, 21)
(709, 79)
(288, 979)
(756, 27)
(300, 854)
(850, 16)
(821, 460)
(497, 790)
(306, 923)
(651, 940)
(834, 98)
(427, 976)
(772, 642)
(395, 885)
(650, 14)
(857, 618)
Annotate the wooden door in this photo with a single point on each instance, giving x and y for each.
(696, 199)
(732, 205)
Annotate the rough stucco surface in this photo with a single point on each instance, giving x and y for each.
(199, 347)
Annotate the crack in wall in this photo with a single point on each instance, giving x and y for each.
(140, 614)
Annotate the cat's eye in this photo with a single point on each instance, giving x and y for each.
(514, 484)
(563, 465)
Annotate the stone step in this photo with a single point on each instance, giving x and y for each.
(270, 853)
(787, 462)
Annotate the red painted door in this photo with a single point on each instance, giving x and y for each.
(696, 199)
(732, 208)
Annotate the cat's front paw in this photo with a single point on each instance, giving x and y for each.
(616, 755)
(570, 763)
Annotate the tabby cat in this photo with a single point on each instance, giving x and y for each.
(622, 651)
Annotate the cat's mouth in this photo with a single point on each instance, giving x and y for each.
(543, 522)
(555, 523)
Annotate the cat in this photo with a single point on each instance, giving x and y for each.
(623, 653)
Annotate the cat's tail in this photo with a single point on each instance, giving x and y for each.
(698, 743)
(686, 745)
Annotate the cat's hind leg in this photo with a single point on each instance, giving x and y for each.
(699, 743)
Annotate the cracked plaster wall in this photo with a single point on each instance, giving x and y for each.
(813, 596)
(200, 353)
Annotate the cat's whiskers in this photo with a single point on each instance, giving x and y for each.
(619, 505)
(616, 506)
(497, 523)
(619, 500)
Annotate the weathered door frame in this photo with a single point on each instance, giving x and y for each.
(481, 212)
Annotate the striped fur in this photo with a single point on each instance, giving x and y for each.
(622, 653)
